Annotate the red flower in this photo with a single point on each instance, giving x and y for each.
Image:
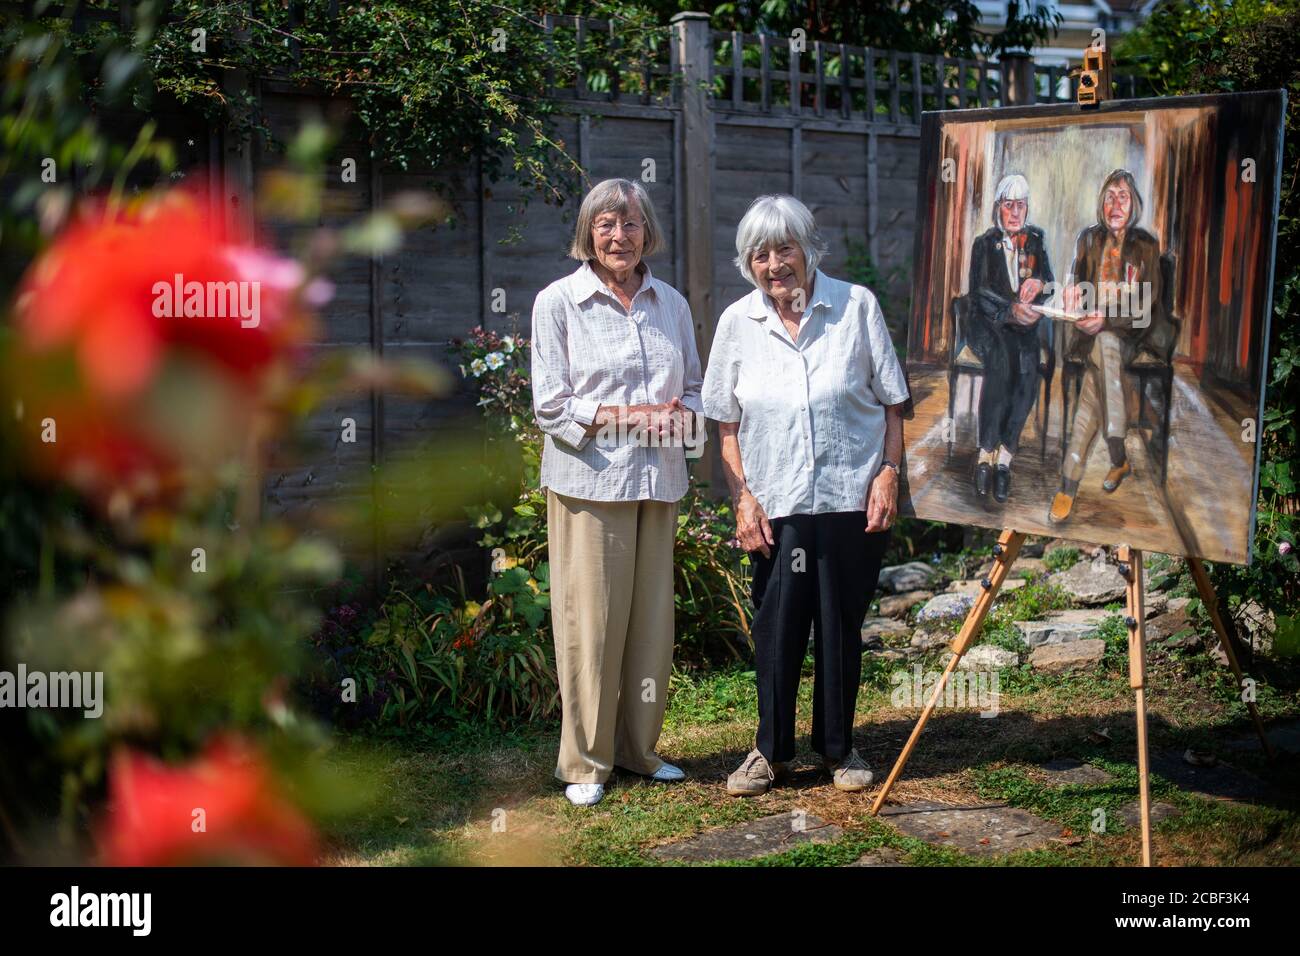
(120, 289)
(126, 313)
(222, 808)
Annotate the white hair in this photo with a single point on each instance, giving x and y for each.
(773, 221)
(1012, 186)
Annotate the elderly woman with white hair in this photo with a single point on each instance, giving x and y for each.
(1009, 274)
(616, 387)
(808, 393)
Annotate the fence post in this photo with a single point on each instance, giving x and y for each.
(694, 48)
(1018, 87)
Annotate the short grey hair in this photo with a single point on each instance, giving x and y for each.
(773, 221)
(617, 196)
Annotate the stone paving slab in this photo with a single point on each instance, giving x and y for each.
(1131, 813)
(884, 856)
(980, 830)
(1285, 737)
(1220, 782)
(1066, 772)
(750, 840)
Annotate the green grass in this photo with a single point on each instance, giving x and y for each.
(436, 797)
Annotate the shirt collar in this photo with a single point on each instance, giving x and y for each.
(760, 306)
(586, 283)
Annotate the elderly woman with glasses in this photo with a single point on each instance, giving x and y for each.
(808, 393)
(616, 388)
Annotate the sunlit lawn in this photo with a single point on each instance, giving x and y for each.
(488, 796)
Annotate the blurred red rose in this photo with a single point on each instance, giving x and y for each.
(154, 808)
(144, 338)
(97, 290)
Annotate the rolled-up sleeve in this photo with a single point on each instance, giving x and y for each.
(887, 379)
(719, 393)
(560, 413)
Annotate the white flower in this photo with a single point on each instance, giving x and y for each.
(494, 360)
(508, 345)
(477, 367)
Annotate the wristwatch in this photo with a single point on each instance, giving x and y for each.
(889, 464)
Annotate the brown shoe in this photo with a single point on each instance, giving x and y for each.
(754, 776)
(1116, 475)
(1062, 505)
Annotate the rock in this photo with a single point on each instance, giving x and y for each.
(1068, 772)
(1155, 605)
(987, 657)
(895, 655)
(945, 607)
(1256, 625)
(1060, 658)
(978, 830)
(1062, 627)
(897, 605)
(1022, 568)
(913, 576)
(882, 628)
(1172, 629)
(774, 834)
(1178, 604)
(974, 589)
(1033, 547)
(1091, 582)
(924, 639)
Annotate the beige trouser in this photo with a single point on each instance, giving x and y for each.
(612, 614)
(1101, 403)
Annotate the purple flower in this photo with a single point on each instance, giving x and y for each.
(1284, 548)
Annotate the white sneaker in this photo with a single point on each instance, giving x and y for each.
(584, 794)
(667, 773)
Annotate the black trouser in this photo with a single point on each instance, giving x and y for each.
(1010, 385)
(822, 573)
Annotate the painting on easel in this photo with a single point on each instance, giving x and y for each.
(1088, 337)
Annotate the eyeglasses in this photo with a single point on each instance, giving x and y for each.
(630, 228)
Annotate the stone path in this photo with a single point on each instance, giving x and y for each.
(1066, 772)
(1284, 736)
(1131, 813)
(748, 841)
(885, 856)
(1220, 782)
(980, 830)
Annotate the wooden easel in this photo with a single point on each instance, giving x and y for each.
(1005, 553)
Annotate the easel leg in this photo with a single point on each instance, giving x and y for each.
(1211, 602)
(1004, 552)
(1130, 566)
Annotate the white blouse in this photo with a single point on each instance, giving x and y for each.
(811, 412)
(588, 351)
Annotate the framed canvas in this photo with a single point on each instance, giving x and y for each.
(1087, 344)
